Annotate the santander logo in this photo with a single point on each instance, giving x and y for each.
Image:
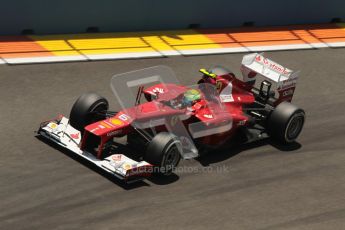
(272, 65)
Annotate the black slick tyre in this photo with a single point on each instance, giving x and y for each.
(285, 123)
(163, 152)
(84, 110)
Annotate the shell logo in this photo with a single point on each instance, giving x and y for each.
(116, 121)
(126, 166)
(53, 125)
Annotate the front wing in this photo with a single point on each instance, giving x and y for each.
(60, 132)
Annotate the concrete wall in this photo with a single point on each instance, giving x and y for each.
(63, 16)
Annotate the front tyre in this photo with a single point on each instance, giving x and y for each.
(163, 152)
(285, 122)
(85, 109)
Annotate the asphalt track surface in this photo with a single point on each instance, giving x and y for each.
(262, 186)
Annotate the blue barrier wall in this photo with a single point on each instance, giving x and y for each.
(62, 16)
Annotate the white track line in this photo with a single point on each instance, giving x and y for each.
(215, 51)
(169, 52)
(336, 44)
(319, 45)
(123, 55)
(136, 55)
(29, 60)
(280, 47)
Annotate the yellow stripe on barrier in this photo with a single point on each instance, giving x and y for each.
(58, 47)
(112, 51)
(66, 53)
(195, 47)
(157, 43)
(186, 38)
(106, 43)
(52, 44)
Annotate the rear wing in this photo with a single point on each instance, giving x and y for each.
(267, 68)
(286, 79)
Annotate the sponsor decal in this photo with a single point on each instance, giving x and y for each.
(116, 121)
(116, 157)
(208, 116)
(156, 90)
(272, 65)
(75, 135)
(52, 125)
(288, 83)
(197, 106)
(226, 98)
(113, 133)
(101, 127)
(105, 125)
(143, 170)
(116, 161)
(124, 117)
(94, 130)
(126, 166)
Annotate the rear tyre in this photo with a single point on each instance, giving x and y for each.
(84, 110)
(163, 152)
(285, 122)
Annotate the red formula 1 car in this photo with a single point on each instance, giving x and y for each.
(176, 121)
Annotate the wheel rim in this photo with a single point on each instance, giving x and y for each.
(171, 159)
(295, 127)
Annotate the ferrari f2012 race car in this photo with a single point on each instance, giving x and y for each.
(176, 121)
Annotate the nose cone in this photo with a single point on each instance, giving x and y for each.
(106, 126)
